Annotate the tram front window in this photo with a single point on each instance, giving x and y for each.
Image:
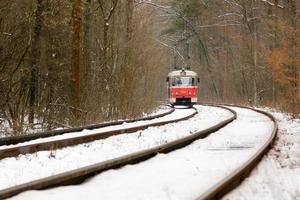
(183, 81)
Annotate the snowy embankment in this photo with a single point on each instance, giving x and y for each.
(278, 174)
(182, 174)
(29, 167)
(159, 110)
(6, 130)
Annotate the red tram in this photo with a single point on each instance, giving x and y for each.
(183, 87)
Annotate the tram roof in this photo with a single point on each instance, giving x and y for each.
(182, 73)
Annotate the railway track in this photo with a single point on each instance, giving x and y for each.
(13, 151)
(79, 175)
(215, 192)
(24, 138)
(237, 176)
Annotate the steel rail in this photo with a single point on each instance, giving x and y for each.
(79, 175)
(236, 177)
(23, 138)
(66, 142)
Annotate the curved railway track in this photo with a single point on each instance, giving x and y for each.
(215, 192)
(237, 176)
(79, 175)
(24, 138)
(12, 151)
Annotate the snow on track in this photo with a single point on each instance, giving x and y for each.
(29, 167)
(177, 114)
(183, 174)
(157, 111)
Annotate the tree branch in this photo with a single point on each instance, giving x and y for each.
(272, 4)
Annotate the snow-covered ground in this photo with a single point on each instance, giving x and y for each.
(182, 174)
(29, 167)
(177, 114)
(278, 174)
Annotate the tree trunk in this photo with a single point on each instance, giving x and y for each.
(254, 50)
(127, 67)
(75, 52)
(35, 55)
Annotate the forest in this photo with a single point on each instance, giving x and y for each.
(76, 62)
